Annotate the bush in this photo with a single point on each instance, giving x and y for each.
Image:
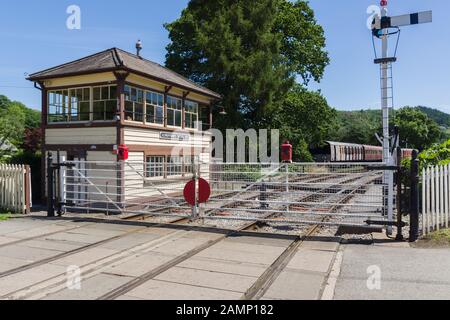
(438, 154)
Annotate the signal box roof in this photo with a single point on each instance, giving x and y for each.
(115, 59)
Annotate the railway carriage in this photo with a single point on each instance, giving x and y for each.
(351, 152)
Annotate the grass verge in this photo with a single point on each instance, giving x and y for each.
(436, 239)
(5, 216)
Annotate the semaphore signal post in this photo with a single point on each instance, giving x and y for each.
(383, 27)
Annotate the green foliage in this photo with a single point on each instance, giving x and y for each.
(31, 118)
(357, 126)
(250, 173)
(417, 131)
(249, 51)
(438, 154)
(305, 119)
(441, 118)
(4, 216)
(12, 120)
(15, 118)
(436, 239)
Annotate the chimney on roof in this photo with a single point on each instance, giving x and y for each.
(138, 48)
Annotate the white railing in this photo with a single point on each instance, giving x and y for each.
(15, 188)
(435, 198)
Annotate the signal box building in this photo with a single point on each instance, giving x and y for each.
(96, 105)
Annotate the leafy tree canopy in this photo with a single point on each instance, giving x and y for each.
(305, 119)
(417, 130)
(249, 51)
(438, 154)
(32, 118)
(15, 118)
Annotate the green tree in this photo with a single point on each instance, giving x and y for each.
(15, 117)
(12, 124)
(357, 126)
(417, 130)
(438, 154)
(305, 119)
(249, 51)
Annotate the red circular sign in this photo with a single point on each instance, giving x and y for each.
(204, 191)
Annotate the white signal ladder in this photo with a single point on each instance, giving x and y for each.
(389, 96)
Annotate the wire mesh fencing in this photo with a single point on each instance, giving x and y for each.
(126, 187)
(295, 193)
(300, 193)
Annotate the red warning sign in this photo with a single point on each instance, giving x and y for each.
(204, 191)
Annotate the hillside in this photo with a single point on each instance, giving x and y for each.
(360, 126)
(441, 118)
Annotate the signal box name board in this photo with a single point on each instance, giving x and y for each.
(174, 136)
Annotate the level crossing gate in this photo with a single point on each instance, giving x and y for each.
(341, 194)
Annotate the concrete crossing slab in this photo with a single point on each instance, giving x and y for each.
(29, 277)
(129, 241)
(91, 288)
(138, 265)
(178, 246)
(253, 248)
(39, 231)
(311, 260)
(12, 263)
(61, 246)
(84, 257)
(295, 285)
(321, 245)
(76, 237)
(111, 226)
(98, 232)
(161, 290)
(262, 241)
(242, 254)
(238, 268)
(18, 251)
(6, 240)
(207, 279)
(17, 225)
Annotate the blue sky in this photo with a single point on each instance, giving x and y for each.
(33, 36)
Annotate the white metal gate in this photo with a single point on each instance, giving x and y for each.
(297, 193)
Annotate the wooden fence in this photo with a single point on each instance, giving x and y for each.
(15, 188)
(435, 198)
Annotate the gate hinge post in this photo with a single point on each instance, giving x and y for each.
(195, 208)
(414, 205)
(50, 196)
